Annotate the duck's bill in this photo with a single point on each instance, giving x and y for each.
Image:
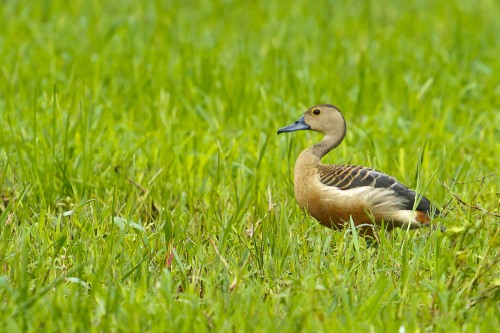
(299, 125)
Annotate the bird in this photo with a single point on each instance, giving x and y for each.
(335, 194)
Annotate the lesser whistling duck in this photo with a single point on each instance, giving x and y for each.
(333, 194)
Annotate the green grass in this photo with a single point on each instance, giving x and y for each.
(144, 187)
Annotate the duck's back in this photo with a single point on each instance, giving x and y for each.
(346, 177)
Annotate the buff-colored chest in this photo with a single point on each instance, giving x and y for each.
(326, 204)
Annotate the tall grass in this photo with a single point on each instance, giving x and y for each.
(143, 186)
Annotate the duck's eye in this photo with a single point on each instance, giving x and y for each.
(316, 111)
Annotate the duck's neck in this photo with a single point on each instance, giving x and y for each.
(328, 143)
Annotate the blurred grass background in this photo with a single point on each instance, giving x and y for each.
(144, 187)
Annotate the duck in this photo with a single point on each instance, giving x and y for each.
(336, 194)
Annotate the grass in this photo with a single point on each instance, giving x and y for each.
(144, 187)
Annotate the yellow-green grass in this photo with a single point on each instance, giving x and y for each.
(144, 187)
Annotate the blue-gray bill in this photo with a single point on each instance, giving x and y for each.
(296, 126)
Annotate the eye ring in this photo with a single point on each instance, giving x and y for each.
(316, 112)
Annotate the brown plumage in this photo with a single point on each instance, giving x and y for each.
(333, 194)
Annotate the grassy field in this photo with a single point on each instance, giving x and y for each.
(144, 187)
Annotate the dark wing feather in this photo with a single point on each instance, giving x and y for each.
(347, 177)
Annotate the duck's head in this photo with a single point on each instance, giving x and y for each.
(323, 118)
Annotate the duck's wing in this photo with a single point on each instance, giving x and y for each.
(347, 177)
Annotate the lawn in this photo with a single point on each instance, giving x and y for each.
(144, 187)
